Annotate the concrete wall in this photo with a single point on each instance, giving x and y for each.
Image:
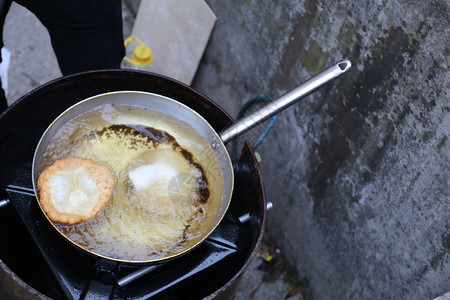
(359, 172)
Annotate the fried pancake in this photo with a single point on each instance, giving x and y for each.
(74, 189)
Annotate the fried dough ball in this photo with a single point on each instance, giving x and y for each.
(74, 189)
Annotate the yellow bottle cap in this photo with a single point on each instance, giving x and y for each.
(142, 54)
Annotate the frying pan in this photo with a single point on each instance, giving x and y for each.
(215, 140)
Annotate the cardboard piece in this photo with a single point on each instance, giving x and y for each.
(177, 33)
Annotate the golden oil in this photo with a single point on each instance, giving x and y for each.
(163, 202)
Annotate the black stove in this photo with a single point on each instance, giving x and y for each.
(38, 255)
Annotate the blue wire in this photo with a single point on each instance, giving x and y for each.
(258, 141)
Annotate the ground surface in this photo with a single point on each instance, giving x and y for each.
(33, 63)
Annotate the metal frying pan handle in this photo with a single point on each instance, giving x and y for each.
(285, 101)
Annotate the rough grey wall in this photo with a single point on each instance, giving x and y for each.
(359, 172)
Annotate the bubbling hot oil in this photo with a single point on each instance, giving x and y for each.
(168, 188)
